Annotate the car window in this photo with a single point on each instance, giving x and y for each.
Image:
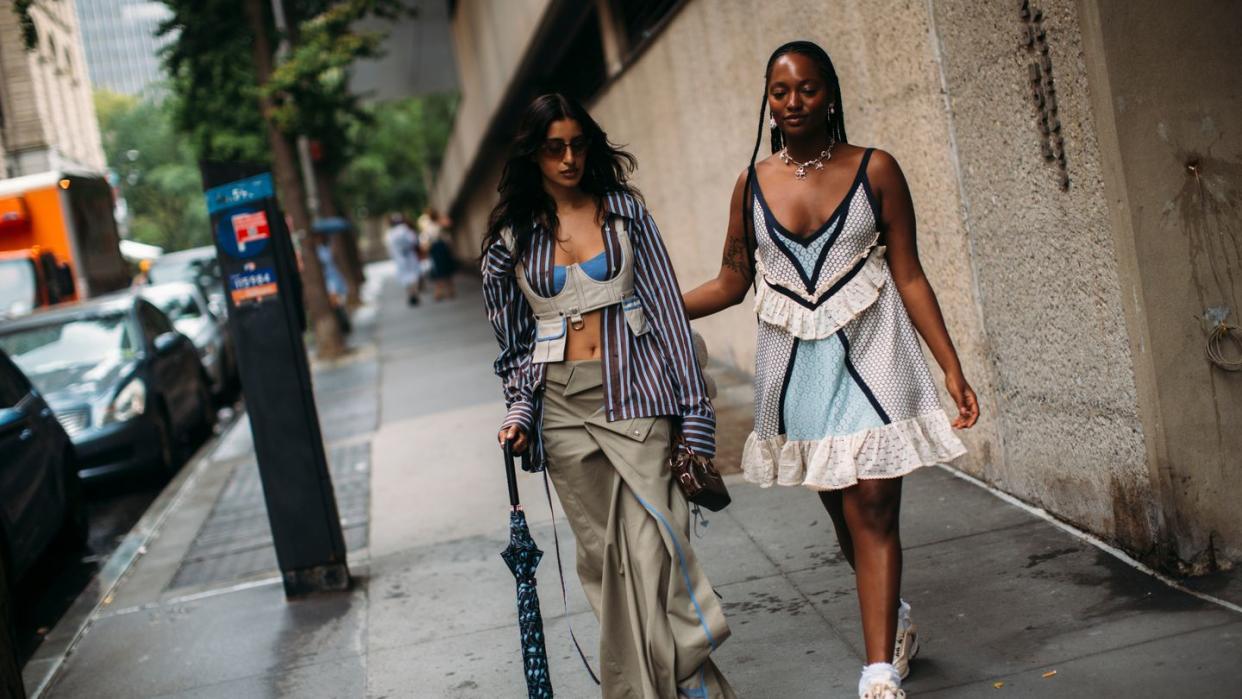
(162, 324)
(153, 322)
(203, 271)
(66, 351)
(179, 305)
(18, 291)
(13, 386)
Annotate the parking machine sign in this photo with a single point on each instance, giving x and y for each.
(252, 284)
(250, 227)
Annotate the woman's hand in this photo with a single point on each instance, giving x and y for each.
(515, 436)
(964, 396)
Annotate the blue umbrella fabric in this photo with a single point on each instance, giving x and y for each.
(522, 557)
(331, 225)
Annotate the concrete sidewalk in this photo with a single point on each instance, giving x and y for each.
(1003, 597)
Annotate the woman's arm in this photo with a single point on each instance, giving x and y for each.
(513, 323)
(656, 286)
(898, 228)
(731, 282)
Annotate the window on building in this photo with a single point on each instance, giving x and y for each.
(641, 19)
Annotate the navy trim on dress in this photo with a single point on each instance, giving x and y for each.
(832, 290)
(789, 368)
(838, 216)
(849, 366)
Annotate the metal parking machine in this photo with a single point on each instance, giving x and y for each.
(266, 319)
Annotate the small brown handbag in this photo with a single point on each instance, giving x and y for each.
(698, 478)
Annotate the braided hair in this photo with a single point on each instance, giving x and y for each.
(836, 124)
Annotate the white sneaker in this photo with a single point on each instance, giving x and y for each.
(880, 681)
(906, 646)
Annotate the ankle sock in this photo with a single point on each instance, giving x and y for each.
(878, 671)
(903, 614)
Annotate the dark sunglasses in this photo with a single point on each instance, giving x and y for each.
(555, 147)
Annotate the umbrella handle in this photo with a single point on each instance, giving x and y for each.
(511, 473)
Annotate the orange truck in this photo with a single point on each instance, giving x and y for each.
(58, 240)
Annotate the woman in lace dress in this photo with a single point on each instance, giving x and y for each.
(844, 402)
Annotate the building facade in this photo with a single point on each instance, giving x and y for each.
(47, 116)
(1077, 187)
(122, 48)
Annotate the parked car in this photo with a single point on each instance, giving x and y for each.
(126, 386)
(187, 307)
(197, 266)
(40, 494)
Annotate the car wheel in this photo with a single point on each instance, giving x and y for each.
(76, 527)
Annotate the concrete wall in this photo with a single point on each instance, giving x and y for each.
(490, 38)
(1168, 95)
(1041, 286)
(1047, 274)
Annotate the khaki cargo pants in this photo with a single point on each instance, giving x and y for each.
(659, 618)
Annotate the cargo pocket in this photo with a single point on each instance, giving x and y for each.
(549, 341)
(635, 317)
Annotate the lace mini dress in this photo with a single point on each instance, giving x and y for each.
(842, 390)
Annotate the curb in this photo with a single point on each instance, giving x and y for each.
(99, 591)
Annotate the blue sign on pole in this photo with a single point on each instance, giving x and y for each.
(251, 189)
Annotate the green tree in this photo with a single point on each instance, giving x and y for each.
(399, 147)
(215, 93)
(156, 171)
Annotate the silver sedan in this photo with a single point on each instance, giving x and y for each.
(191, 314)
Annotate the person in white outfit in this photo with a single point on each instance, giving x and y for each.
(402, 244)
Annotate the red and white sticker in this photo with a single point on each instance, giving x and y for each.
(250, 227)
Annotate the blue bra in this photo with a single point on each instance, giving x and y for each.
(595, 268)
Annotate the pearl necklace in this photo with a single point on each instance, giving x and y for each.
(817, 163)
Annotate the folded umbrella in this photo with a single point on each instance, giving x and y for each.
(522, 557)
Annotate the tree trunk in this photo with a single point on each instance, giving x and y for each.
(329, 342)
(344, 244)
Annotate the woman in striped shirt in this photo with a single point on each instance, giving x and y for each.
(601, 381)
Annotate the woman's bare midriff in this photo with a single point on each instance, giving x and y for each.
(586, 342)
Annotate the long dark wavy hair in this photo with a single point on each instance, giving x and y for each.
(524, 205)
(835, 123)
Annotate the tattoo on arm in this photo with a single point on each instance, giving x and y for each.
(736, 257)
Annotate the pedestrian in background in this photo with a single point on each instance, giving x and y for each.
(601, 383)
(435, 244)
(334, 282)
(844, 402)
(402, 244)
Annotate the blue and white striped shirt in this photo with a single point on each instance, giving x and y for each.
(648, 375)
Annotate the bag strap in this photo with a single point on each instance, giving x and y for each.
(560, 569)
